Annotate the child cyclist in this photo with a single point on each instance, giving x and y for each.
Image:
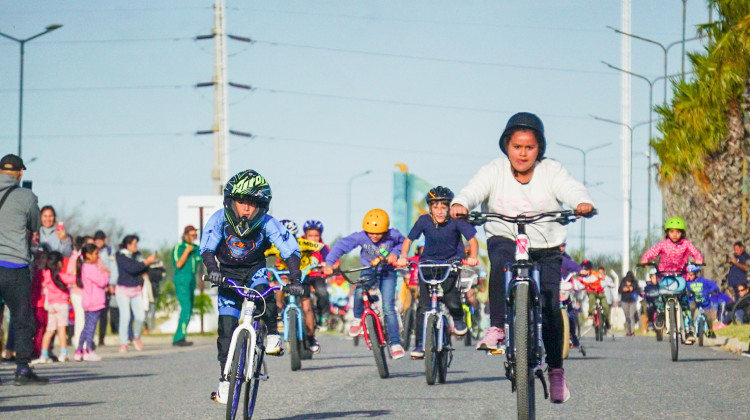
(376, 241)
(701, 290)
(233, 245)
(526, 182)
(594, 290)
(442, 244)
(313, 234)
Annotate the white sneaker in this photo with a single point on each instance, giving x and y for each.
(355, 328)
(63, 358)
(273, 344)
(41, 360)
(222, 392)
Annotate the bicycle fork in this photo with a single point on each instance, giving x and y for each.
(250, 351)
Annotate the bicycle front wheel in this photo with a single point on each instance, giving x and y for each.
(701, 330)
(566, 334)
(524, 349)
(378, 348)
(674, 338)
(294, 342)
(445, 353)
(258, 370)
(409, 321)
(237, 374)
(431, 356)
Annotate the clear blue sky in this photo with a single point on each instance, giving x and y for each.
(110, 110)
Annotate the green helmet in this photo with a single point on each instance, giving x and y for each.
(675, 223)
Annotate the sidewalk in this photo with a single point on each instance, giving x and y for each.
(152, 344)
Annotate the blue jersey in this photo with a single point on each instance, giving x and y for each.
(240, 257)
(442, 242)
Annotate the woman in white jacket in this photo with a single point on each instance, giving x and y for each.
(525, 182)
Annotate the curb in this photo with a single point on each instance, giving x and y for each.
(730, 344)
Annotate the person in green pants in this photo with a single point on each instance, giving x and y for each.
(186, 258)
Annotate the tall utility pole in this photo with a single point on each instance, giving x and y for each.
(219, 174)
(626, 134)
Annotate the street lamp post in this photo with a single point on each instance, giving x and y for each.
(349, 200)
(583, 221)
(627, 189)
(22, 43)
(651, 83)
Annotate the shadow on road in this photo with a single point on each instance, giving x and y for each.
(331, 367)
(7, 408)
(364, 356)
(470, 380)
(338, 415)
(709, 359)
(91, 377)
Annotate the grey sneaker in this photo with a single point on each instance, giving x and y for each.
(559, 392)
(29, 378)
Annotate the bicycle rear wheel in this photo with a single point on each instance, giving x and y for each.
(674, 339)
(378, 348)
(236, 374)
(431, 357)
(258, 369)
(566, 334)
(294, 342)
(524, 349)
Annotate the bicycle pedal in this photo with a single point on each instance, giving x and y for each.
(279, 354)
(539, 374)
(213, 396)
(263, 377)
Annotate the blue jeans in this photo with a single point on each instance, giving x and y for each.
(386, 282)
(125, 304)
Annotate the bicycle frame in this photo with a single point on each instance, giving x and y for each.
(291, 303)
(368, 310)
(436, 304)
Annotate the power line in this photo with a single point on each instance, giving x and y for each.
(433, 59)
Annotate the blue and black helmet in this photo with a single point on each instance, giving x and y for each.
(313, 224)
(439, 193)
(248, 186)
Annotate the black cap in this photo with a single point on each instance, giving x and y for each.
(11, 163)
(100, 235)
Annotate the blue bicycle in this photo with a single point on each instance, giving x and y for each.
(293, 321)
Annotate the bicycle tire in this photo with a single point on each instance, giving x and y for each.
(258, 368)
(293, 343)
(659, 334)
(409, 318)
(469, 326)
(701, 330)
(430, 350)
(523, 342)
(444, 354)
(734, 309)
(674, 341)
(599, 328)
(236, 376)
(566, 334)
(378, 348)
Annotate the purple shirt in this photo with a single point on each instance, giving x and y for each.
(391, 242)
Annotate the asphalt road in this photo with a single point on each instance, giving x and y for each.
(630, 377)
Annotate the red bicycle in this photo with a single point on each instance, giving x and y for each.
(372, 327)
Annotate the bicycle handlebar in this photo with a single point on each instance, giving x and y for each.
(452, 266)
(244, 291)
(563, 217)
(278, 273)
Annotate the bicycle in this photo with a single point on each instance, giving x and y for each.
(410, 314)
(293, 321)
(436, 336)
(372, 327)
(569, 316)
(525, 349)
(672, 287)
(701, 325)
(471, 316)
(600, 329)
(247, 348)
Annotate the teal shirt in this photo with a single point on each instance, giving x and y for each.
(191, 265)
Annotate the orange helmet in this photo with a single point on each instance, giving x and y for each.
(375, 221)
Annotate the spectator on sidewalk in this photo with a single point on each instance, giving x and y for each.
(742, 306)
(107, 257)
(738, 270)
(131, 266)
(19, 216)
(629, 298)
(186, 258)
(53, 233)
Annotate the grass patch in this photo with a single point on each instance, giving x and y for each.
(740, 332)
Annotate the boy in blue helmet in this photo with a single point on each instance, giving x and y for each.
(701, 290)
(233, 245)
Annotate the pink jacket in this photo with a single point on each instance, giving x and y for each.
(55, 295)
(94, 280)
(674, 256)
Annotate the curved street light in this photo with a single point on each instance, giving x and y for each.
(22, 43)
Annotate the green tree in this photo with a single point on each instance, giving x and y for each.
(705, 132)
(203, 305)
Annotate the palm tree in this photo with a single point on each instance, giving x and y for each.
(705, 134)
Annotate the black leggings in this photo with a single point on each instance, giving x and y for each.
(322, 306)
(451, 299)
(502, 251)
